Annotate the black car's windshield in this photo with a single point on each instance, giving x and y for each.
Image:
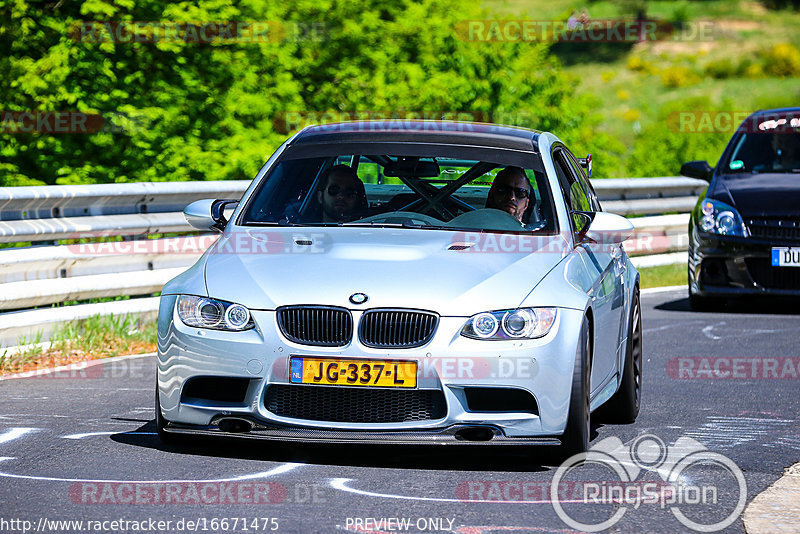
(403, 191)
(774, 148)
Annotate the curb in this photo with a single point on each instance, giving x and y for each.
(663, 289)
(77, 366)
(777, 508)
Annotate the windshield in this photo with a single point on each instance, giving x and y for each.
(776, 151)
(402, 191)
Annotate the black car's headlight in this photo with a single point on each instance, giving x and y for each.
(716, 217)
(204, 312)
(522, 323)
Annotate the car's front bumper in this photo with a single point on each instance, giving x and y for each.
(454, 435)
(721, 266)
(448, 364)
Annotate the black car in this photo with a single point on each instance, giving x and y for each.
(744, 232)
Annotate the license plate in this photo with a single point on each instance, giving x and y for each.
(351, 372)
(785, 257)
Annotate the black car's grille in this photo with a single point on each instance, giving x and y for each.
(316, 325)
(397, 329)
(354, 405)
(764, 274)
(774, 228)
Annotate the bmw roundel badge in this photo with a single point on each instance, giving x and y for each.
(358, 298)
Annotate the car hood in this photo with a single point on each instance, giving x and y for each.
(404, 268)
(760, 195)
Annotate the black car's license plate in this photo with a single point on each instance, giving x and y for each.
(785, 257)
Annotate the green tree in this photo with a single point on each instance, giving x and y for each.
(194, 111)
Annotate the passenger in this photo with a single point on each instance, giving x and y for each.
(342, 195)
(787, 150)
(510, 192)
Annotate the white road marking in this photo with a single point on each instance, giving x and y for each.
(707, 331)
(672, 325)
(263, 474)
(106, 433)
(725, 432)
(14, 433)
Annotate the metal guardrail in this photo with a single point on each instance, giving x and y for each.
(47, 273)
(39, 213)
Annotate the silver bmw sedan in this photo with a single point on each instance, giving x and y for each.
(405, 282)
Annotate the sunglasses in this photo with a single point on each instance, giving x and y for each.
(519, 192)
(335, 191)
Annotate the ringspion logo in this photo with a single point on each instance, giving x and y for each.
(688, 470)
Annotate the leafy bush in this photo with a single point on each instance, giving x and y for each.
(678, 76)
(638, 64)
(782, 60)
(681, 13)
(782, 4)
(722, 69)
(662, 149)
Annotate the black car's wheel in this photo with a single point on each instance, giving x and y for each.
(576, 435)
(161, 423)
(623, 407)
(698, 303)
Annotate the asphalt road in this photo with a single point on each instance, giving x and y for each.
(81, 446)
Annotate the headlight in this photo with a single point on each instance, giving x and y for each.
(716, 217)
(522, 323)
(202, 312)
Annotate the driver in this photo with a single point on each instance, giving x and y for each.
(342, 195)
(510, 192)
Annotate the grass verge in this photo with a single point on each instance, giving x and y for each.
(89, 339)
(663, 275)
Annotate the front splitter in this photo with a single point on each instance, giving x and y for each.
(452, 435)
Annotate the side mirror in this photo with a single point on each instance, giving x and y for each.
(208, 214)
(697, 169)
(604, 228)
(586, 163)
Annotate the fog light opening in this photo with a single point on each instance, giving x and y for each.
(234, 425)
(714, 272)
(475, 433)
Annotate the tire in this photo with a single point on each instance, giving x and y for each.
(623, 406)
(703, 304)
(576, 434)
(161, 423)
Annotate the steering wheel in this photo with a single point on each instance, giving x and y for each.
(487, 219)
(400, 217)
